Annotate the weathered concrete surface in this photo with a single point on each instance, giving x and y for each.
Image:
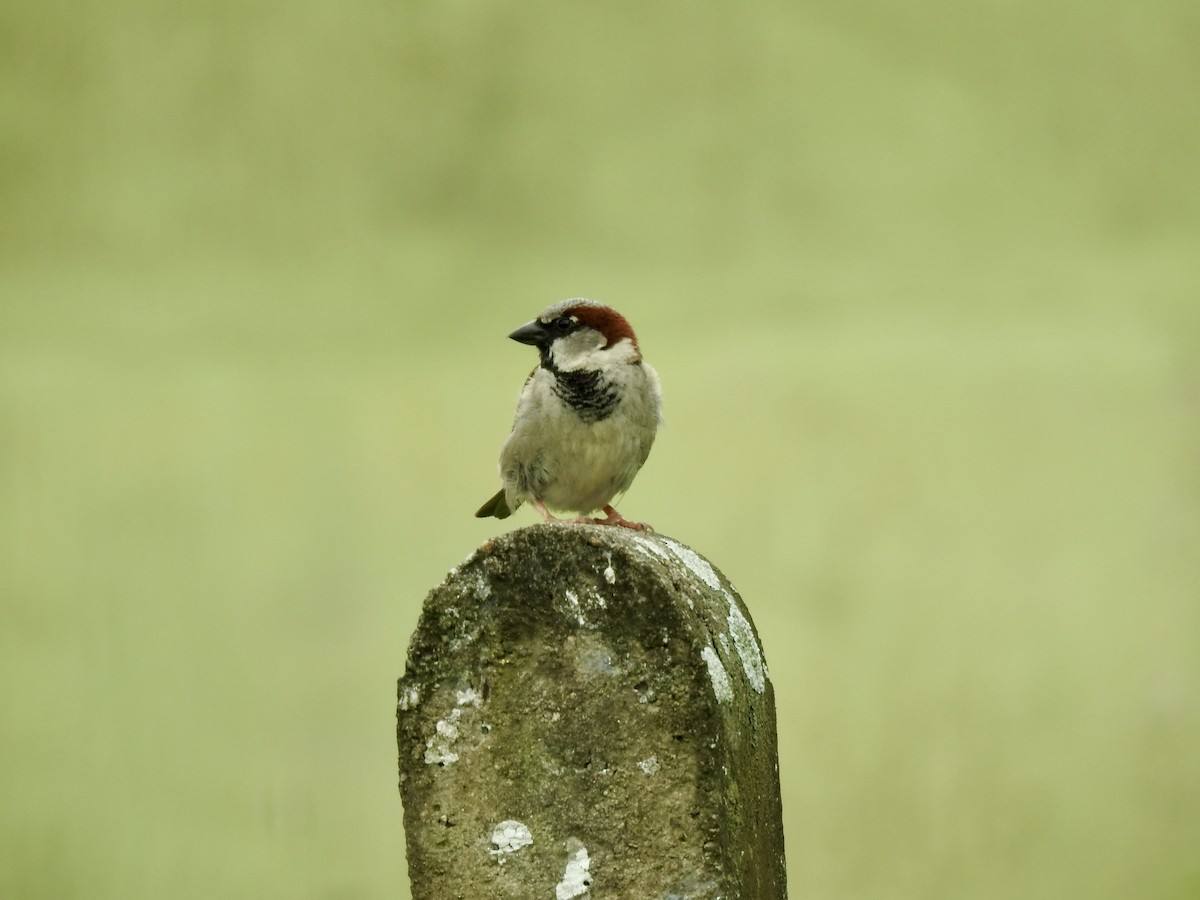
(586, 712)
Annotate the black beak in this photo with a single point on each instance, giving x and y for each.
(533, 333)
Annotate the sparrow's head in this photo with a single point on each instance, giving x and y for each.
(580, 334)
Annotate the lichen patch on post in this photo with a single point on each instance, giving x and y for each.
(722, 688)
(410, 695)
(697, 564)
(510, 836)
(576, 877)
(573, 599)
(649, 547)
(477, 584)
(437, 748)
(469, 697)
(649, 765)
(594, 657)
(748, 650)
(583, 607)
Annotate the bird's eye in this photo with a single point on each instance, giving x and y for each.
(563, 324)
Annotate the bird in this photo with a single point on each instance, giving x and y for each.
(586, 417)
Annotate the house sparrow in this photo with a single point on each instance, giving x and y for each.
(586, 417)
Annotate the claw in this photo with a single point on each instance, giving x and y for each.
(612, 517)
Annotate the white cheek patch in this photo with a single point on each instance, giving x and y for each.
(585, 350)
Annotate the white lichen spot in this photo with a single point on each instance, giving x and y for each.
(439, 754)
(747, 648)
(438, 748)
(479, 585)
(409, 697)
(648, 546)
(576, 879)
(573, 600)
(610, 574)
(649, 765)
(696, 563)
(594, 657)
(722, 688)
(469, 697)
(579, 606)
(510, 836)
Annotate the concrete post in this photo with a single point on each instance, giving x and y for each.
(586, 712)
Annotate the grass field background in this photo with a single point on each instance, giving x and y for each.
(923, 287)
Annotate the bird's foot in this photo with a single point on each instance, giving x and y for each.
(612, 517)
(552, 519)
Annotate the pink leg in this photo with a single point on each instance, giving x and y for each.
(541, 507)
(552, 519)
(611, 517)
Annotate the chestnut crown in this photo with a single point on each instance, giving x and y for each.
(569, 316)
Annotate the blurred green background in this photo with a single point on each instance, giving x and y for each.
(922, 282)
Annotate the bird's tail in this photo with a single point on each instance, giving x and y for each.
(497, 506)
